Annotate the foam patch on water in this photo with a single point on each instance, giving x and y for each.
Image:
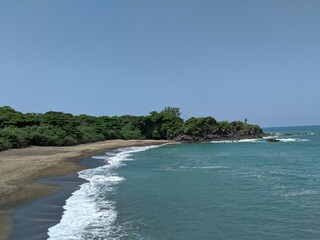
(100, 157)
(297, 174)
(88, 214)
(262, 140)
(292, 140)
(238, 141)
(268, 137)
(202, 167)
(211, 167)
(302, 193)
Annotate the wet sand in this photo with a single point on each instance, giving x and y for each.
(32, 220)
(20, 168)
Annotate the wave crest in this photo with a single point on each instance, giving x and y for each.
(292, 140)
(87, 213)
(238, 141)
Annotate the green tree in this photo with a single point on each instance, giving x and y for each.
(5, 144)
(173, 111)
(16, 137)
(90, 134)
(63, 129)
(166, 125)
(11, 118)
(224, 128)
(200, 126)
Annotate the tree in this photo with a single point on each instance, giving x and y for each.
(10, 117)
(14, 137)
(64, 129)
(200, 126)
(173, 111)
(166, 125)
(224, 128)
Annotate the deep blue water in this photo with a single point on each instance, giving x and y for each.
(231, 190)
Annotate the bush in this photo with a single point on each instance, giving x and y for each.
(155, 134)
(200, 126)
(131, 134)
(5, 144)
(63, 129)
(69, 141)
(110, 134)
(14, 136)
(46, 136)
(128, 131)
(89, 134)
(224, 128)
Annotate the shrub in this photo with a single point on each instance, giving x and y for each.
(128, 131)
(69, 141)
(46, 136)
(15, 136)
(155, 134)
(200, 126)
(89, 134)
(5, 144)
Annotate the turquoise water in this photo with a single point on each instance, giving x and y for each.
(239, 190)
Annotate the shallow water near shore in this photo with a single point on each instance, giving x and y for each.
(32, 220)
(232, 190)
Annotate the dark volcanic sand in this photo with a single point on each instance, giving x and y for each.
(31, 221)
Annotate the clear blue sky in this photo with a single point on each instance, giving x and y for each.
(258, 60)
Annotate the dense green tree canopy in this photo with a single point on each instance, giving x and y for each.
(64, 129)
(173, 111)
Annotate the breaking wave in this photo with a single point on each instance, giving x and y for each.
(263, 140)
(237, 141)
(88, 214)
(291, 140)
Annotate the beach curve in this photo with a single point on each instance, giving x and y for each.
(20, 168)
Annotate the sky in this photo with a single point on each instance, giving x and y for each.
(228, 59)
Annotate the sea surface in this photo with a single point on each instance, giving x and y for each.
(250, 189)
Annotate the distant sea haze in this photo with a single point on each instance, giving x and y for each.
(248, 189)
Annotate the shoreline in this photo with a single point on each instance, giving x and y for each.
(21, 168)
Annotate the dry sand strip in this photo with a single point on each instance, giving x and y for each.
(19, 168)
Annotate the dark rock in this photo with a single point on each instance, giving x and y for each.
(273, 140)
(214, 137)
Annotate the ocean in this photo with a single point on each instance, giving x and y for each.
(249, 189)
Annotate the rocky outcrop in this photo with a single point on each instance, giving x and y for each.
(273, 140)
(215, 137)
(208, 129)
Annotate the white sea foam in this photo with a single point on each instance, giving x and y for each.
(110, 153)
(100, 157)
(262, 140)
(87, 213)
(302, 192)
(268, 137)
(222, 141)
(292, 140)
(211, 167)
(238, 141)
(202, 167)
(291, 173)
(249, 140)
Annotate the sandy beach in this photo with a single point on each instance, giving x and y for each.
(20, 168)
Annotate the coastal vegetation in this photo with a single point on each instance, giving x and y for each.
(64, 129)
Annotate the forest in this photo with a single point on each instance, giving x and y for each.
(52, 128)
